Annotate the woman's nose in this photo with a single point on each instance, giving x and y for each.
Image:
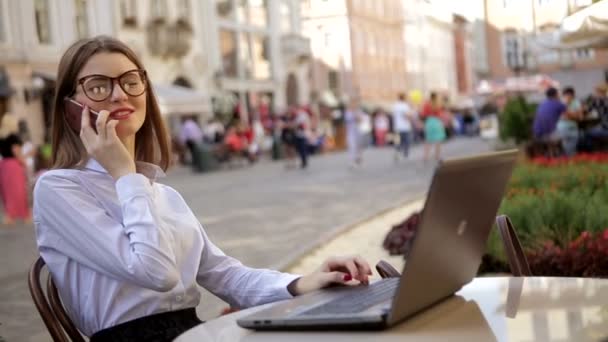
(117, 93)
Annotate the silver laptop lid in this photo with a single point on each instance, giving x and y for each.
(460, 209)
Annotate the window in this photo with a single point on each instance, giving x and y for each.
(513, 50)
(333, 80)
(544, 2)
(128, 8)
(229, 52)
(183, 9)
(548, 57)
(584, 54)
(82, 25)
(159, 9)
(259, 54)
(43, 24)
(224, 9)
(327, 39)
(258, 12)
(285, 10)
(241, 10)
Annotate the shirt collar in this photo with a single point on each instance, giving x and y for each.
(149, 170)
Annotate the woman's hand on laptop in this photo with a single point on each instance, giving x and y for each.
(335, 270)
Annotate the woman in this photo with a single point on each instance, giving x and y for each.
(127, 252)
(434, 130)
(353, 117)
(13, 181)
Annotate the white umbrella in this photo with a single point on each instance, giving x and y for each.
(587, 27)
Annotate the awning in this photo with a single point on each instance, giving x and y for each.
(587, 25)
(587, 28)
(532, 83)
(176, 100)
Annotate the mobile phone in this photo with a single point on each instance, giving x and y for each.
(73, 113)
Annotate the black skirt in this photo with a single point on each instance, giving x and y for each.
(160, 327)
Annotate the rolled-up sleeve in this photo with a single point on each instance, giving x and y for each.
(239, 285)
(72, 222)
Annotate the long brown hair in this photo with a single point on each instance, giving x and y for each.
(151, 141)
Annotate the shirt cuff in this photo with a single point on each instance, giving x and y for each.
(131, 185)
(287, 278)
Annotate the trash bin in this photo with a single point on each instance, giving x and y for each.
(203, 159)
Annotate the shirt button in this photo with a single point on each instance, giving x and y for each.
(179, 298)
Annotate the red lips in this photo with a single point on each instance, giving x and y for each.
(121, 113)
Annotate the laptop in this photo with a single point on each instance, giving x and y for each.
(459, 213)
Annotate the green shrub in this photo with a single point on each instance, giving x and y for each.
(554, 204)
(515, 121)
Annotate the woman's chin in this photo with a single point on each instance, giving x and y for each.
(126, 130)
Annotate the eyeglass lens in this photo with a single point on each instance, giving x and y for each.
(99, 88)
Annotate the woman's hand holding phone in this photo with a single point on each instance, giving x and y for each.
(105, 146)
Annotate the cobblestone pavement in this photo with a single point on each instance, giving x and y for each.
(264, 215)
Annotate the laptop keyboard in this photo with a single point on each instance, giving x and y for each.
(358, 300)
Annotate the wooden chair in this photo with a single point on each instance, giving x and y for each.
(545, 148)
(51, 310)
(515, 253)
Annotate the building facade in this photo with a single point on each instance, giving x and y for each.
(358, 49)
(430, 48)
(33, 36)
(515, 32)
(248, 52)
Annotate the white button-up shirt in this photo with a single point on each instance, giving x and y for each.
(121, 250)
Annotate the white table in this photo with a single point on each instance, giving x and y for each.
(487, 309)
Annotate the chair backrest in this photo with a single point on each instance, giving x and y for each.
(515, 253)
(52, 312)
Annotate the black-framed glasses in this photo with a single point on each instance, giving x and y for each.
(99, 87)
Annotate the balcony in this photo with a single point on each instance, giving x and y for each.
(295, 47)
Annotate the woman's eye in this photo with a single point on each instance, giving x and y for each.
(98, 90)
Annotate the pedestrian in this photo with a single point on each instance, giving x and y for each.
(434, 130)
(302, 134)
(13, 181)
(402, 126)
(287, 125)
(381, 126)
(352, 118)
(125, 251)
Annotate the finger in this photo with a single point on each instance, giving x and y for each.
(102, 120)
(336, 277)
(363, 265)
(84, 117)
(86, 132)
(111, 129)
(341, 264)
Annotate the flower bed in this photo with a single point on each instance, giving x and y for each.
(559, 208)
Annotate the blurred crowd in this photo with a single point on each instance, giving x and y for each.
(301, 131)
(571, 124)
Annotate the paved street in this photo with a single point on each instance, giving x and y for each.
(264, 215)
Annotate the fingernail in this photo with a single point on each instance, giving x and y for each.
(348, 277)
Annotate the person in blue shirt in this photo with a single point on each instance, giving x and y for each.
(548, 114)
